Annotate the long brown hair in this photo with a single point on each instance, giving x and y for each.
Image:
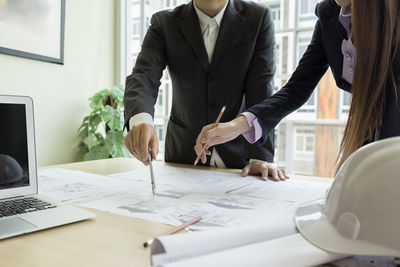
(375, 27)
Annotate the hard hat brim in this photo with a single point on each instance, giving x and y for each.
(316, 228)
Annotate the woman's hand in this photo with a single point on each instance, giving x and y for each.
(266, 170)
(224, 132)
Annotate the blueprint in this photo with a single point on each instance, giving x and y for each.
(223, 199)
(69, 186)
(187, 180)
(218, 210)
(291, 190)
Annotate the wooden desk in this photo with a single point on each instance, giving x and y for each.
(107, 240)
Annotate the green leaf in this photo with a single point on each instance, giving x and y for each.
(114, 142)
(120, 151)
(83, 132)
(97, 101)
(82, 148)
(97, 152)
(90, 137)
(94, 121)
(107, 113)
(118, 94)
(112, 117)
(99, 137)
(121, 124)
(115, 122)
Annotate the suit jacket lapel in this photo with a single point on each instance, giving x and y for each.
(229, 28)
(190, 28)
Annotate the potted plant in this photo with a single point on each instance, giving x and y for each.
(101, 133)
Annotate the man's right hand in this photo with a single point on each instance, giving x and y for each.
(139, 139)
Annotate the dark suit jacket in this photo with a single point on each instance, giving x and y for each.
(240, 75)
(323, 51)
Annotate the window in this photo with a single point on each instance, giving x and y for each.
(302, 44)
(304, 143)
(160, 132)
(136, 45)
(310, 105)
(135, 9)
(161, 137)
(346, 101)
(277, 58)
(276, 14)
(136, 28)
(173, 3)
(285, 48)
(160, 97)
(303, 40)
(306, 10)
(344, 104)
(134, 56)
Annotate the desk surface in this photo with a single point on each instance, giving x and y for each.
(107, 240)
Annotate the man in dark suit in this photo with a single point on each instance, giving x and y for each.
(218, 52)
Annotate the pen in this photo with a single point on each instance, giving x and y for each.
(214, 125)
(174, 230)
(153, 185)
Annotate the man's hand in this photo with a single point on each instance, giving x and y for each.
(138, 140)
(224, 132)
(266, 170)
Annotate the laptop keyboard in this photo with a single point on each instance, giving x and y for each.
(23, 205)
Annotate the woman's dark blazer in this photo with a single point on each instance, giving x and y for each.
(324, 51)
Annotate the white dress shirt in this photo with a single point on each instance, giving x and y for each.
(210, 29)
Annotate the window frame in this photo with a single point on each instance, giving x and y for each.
(303, 155)
(343, 109)
(305, 18)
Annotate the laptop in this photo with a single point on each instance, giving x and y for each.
(22, 210)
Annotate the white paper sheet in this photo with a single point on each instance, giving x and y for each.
(166, 249)
(190, 180)
(292, 250)
(185, 180)
(289, 190)
(181, 194)
(218, 210)
(70, 186)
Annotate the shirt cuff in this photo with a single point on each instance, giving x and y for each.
(254, 134)
(140, 118)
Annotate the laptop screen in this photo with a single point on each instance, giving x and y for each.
(14, 169)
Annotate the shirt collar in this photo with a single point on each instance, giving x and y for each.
(345, 11)
(204, 18)
(345, 17)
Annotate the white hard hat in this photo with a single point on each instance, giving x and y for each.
(361, 214)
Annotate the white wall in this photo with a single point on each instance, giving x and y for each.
(60, 92)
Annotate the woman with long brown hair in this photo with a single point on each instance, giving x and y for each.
(359, 40)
